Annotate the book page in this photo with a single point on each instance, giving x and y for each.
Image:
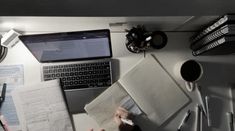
(41, 107)
(153, 90)
(103, 108)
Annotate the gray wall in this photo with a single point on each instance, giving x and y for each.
(115, 7)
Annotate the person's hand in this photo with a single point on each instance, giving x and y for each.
(122, 113)
(99, 130)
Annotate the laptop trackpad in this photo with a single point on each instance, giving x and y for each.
(77, 99)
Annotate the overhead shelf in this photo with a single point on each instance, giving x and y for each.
(115, 24)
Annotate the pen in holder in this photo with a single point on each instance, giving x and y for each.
(190, 71)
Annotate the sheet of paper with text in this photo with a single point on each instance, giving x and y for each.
(41, 107)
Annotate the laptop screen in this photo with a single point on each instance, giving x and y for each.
(69, 46)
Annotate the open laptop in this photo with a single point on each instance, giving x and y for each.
(81, 60)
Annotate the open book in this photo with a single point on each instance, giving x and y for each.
(152, 89)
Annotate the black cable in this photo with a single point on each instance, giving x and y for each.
(3, 53)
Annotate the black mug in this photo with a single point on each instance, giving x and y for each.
(190, 71)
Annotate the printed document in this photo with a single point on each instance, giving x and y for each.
(41, 107)
(13, 76)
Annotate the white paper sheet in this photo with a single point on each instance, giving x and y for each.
(13, 75)
(103, 108)
(41, 107)
(153, 90)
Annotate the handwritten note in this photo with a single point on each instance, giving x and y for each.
(41, 107)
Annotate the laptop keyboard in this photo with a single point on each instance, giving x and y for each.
(82, 75)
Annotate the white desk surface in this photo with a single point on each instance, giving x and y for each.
(218, 75)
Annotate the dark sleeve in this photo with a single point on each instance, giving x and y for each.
(136, 128)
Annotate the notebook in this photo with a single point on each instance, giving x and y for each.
(79, 59)
(152, 89)
(221, 46)
(226, 30)
(226, 19)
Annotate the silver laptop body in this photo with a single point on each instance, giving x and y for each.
(83, 49)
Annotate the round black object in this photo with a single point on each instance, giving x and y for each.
(159, 39)
(191, 71)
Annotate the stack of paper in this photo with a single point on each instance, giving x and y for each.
(41, 107)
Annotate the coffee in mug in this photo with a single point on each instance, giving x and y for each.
(191, 71)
